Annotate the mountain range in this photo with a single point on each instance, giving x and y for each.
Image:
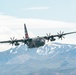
(50, 59)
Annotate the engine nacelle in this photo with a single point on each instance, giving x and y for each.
(53, 39)
(16, 44)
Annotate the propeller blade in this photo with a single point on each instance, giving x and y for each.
(63, 32)
(48, 36)
(12, 40)
(60, 35)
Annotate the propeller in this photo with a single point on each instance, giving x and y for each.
(60, 35)
(48, 36)
(12, 40)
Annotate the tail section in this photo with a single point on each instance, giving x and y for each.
(26, 33)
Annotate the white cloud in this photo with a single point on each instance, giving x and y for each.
(13, 22)
(39, 23)
(13, 27)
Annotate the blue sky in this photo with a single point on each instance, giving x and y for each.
(62, 10)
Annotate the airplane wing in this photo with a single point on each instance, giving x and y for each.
(11, 41)
(16, 42)
(59, 35)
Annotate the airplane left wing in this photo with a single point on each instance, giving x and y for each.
(59, 35)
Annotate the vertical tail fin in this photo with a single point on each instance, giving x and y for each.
(26, 33)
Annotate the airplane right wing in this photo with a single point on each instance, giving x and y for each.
(16, 42)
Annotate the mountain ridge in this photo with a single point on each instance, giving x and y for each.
(54, 58)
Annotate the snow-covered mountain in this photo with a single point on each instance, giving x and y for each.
(51, 59)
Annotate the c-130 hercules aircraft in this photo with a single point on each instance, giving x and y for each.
(37, 41)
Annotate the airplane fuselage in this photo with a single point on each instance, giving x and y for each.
(35, 42)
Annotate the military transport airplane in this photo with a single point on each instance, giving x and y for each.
(35, 42)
